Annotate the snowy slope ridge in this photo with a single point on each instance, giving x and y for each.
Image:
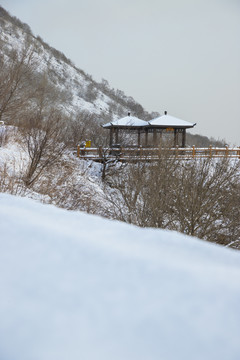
(76, 286)
(61, 73)
(83, 93)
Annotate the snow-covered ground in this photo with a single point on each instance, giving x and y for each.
(76, 286)
(78, 186)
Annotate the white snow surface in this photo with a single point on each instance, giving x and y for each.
(164, 120)
(168, 120)
(77, 286)
(127, 121)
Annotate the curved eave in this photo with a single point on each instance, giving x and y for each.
(128, 122)
(168, 121)
(129, 127)
(147, 126)
(152, 126)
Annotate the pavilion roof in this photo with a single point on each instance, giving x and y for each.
(170, 121)
(127, 121)
(164, 121)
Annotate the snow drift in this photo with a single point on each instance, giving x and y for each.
(76, 286)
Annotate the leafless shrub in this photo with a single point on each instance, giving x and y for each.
(10, 181)
(4, 135)
(15, 86)
(144, 191)
(197, 197)
(43, 136)
(203, 141)
(204, 190)
(66, 185)
(84, 127)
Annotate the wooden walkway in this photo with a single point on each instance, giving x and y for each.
(101, 154)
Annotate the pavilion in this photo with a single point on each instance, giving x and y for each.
(159, 126)
(128, 123)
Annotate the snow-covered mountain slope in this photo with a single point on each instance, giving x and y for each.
(76, 286)
(82, 91)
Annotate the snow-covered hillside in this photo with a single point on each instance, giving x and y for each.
(60, 73)
(76, 286)
(83, 93)
(73, 184)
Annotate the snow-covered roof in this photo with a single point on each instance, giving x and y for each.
(170, 121)
(126, 121)
(161, 121)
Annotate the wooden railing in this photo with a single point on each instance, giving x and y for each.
(152, 154)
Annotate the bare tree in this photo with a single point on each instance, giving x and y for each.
(204, 189)
(10, 182)
(196, 197)
(143, 191)
(230, 234)
(84, 126)
(125, 197)
(15, 80)
(43, 136)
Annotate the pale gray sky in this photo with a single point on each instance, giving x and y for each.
(177, 55)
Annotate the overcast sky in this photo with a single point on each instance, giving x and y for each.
(177, 55)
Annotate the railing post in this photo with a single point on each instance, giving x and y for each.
(210, 151)
(226, 151)
(120, 152)
(238, 152)
(193, 151)
(159, 151)
(78, 151)
(177, 151)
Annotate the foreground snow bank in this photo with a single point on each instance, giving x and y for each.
(75, 286)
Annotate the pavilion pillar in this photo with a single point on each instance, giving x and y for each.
(183, 138)
(116, 136)
(139, 137)
(175, 137)
(160, 140)
(111, 137)
(146, 137)
(154, 137)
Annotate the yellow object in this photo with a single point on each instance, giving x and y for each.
(88, 144)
